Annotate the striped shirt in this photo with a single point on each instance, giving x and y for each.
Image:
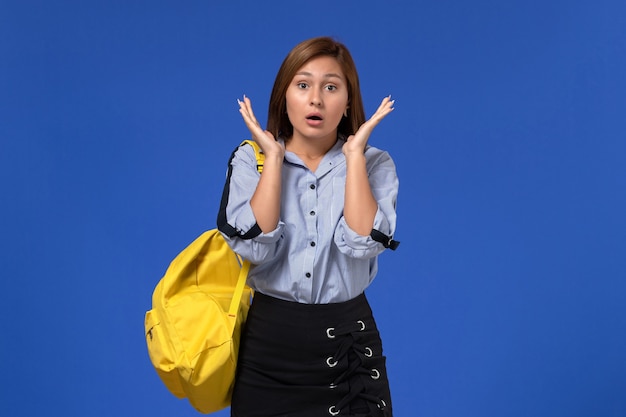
(312, 256)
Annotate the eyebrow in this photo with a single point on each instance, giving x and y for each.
(329, 75)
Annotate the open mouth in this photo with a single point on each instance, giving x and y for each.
(316, 117)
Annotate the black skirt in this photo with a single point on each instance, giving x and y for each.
(310, 360)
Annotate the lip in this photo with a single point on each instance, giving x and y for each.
(314, 114)
(314, 122)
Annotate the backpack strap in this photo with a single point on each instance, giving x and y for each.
(222, 224)
(387, 241)
(236, 301)
(245, 265)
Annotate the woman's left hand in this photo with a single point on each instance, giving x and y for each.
(356, 143)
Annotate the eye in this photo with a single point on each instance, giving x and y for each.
(331, 87)
(302, 85)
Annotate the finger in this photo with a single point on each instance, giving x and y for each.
(386, 107)
(248, 104)
(253, 127)
(245, 105)
(269, 134)
(245, 113)
(245, 108)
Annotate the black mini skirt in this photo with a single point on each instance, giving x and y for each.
(310, 360)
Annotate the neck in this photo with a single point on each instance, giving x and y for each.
(310, 151)
(311, 148)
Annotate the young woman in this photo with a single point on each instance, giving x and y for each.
(312, 224)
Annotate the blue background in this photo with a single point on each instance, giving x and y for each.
(507, 296)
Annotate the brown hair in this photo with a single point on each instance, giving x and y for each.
(278, 122)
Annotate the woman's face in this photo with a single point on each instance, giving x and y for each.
(317, 98)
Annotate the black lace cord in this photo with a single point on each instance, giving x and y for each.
(357, 391)
(348, 332)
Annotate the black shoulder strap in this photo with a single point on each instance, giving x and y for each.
(387, 241)
(222, 223)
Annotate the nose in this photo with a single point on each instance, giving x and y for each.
(316, 99)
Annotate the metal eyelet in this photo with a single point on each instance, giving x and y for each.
(332, 386)
(368, 352)
(333, 410)
(375, 374)
(384, 404)
(362, 325)
(328, 332)
(331, 362)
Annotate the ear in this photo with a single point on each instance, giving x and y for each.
(345, 112)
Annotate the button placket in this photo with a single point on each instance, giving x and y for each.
(311, 226)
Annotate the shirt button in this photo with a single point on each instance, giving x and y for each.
(312, 213)
(312, 243)
(308, 275)
(312, 186)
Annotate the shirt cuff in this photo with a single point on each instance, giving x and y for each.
(355, 245)
(246, 221)
(271, 237)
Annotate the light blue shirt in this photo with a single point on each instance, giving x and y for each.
(312, 256)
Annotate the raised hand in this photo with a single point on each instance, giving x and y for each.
(263, 138)
(356, 143)
(265, 201)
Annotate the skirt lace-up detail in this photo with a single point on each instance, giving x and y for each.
(302, 360)
(359, 371)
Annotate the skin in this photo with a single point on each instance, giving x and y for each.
(318, 88)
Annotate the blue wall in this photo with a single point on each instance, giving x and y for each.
(507, 296)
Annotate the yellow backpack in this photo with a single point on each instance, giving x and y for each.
(194, 326)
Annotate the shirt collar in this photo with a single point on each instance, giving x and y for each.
(333, 158)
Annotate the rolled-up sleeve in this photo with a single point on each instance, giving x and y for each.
(384, 184)
(236, 218)
(259, 249)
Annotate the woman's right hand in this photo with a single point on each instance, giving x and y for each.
(269, 145)
(265, 201)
